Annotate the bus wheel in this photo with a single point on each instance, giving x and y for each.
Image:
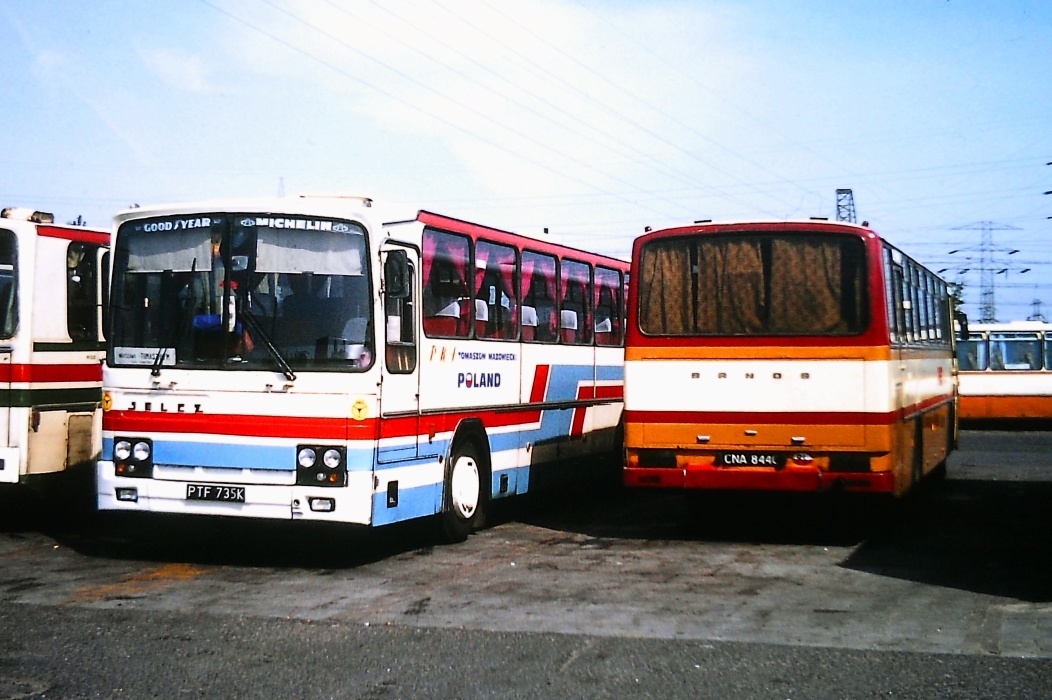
(465, 500)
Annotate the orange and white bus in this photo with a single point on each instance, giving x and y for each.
(1006, 371)
(787, 356)
(51, 348)
(322, 359)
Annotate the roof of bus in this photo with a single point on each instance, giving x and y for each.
(327, 205)
(771, 225)
(541, 244)
(977, 326)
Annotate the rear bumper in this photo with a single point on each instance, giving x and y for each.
(800, 480)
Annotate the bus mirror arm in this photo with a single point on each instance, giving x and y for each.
(962, 324)
(257, 328)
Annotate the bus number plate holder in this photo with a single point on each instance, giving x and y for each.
(773, 460)
(211, 492)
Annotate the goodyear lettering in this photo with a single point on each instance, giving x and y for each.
(177, 224)
(480, 380)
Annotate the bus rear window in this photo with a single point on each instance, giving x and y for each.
(755, 285)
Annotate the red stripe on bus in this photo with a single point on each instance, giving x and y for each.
(606, 391)
(82, 235)
(776, 417)
(38, 374)
(238, 425)
(540, 383)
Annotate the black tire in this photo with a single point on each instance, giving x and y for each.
(465, 494)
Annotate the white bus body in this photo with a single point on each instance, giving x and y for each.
(1006, 371)
(51, 347)
(360, 406)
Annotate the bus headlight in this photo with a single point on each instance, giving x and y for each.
(332, 458)
(321, 465)
(141, 451)
(133, 457)
(306, 457)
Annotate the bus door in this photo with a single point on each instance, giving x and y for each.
(9, 458)
(399, 378)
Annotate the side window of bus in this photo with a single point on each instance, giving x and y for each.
(399, 316)
(972, 354)
(917, 303)
(446, 300)
(889, 296)
(8, 284)
(905, 306)
(540, 308)
(609, 328)
(82, 319)
(933, 312)
(496, 302)
(575, 307)
(1015, 352)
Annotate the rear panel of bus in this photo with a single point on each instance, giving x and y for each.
(762, 358)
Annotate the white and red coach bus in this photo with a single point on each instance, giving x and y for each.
(789, 356)
(51, 347)
(314, 359)
(1006, 371)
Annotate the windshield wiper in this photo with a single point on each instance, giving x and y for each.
(257, 328)
(184, 325)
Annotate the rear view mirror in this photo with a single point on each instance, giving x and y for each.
(396, 275)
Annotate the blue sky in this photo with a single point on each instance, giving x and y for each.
(592, 119)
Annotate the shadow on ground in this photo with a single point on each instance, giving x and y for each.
(986, 536)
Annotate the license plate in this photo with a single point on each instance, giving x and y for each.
(750, 459)
(211, 492)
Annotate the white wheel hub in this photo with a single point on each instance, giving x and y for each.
(464, 486)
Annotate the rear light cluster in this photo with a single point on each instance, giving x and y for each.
(133, 457)
(321, 465)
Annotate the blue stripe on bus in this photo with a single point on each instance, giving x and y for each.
(420, 501)
(225, 455)
(413, 502)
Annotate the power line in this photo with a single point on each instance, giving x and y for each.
(989, 266)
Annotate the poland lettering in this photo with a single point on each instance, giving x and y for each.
(472, 380)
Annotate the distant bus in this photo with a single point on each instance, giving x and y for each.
(1006, 371)
(789, 356)
(318, 359)
(51, 344)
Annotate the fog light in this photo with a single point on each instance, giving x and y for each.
(128, 494)
(322, 505)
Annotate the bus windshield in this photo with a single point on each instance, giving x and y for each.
(241, 291)
(760, 284)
